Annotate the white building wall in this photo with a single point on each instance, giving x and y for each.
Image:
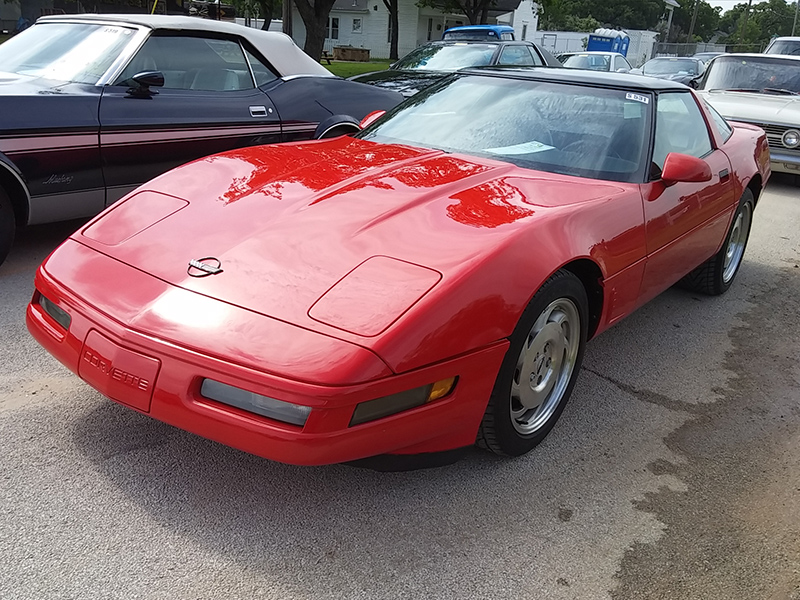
(524, 20)
(561, 41)
(641, 46)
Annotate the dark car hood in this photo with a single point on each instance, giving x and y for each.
(407, 83)
(679, 77)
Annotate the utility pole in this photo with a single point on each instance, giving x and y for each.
(796, 4)
(694, 20)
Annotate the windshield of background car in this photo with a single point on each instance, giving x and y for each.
(595, 62)
(669, 67)
(784, 47)
(75, 52)
(555, 127)
(476, 34)
(753, 73)
(447, 57)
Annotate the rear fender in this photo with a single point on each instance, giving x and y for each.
(13, 182)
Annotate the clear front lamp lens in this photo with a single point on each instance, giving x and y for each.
(791, 139)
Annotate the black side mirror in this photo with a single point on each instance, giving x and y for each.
(145, 80)
(695, 83)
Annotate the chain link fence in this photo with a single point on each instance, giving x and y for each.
(689, 49)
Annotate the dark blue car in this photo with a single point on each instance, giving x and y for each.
(91, 106)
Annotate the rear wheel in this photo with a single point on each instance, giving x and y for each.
(8, 225)
(539, 369)
(716, 275)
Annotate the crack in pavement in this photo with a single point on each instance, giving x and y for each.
(734, 533)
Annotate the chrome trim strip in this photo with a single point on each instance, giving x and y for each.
(124, 138)
(45, 143)
(62, 207)
(126, 56)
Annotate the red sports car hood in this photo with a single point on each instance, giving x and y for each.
(342, 233)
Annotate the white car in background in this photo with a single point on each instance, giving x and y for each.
(595, 61)
(762, 89)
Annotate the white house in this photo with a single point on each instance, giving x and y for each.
(365, 24)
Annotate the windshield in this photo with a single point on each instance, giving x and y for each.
(447, 57)
(784, 47)
(670, 66)
(753, 73)
(554, 127)
(471, 34)
(74, 52)
(595, 62)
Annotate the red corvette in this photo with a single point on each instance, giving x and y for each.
(426, 284)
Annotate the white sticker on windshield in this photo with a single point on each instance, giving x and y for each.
(524, 148)
(638, 98)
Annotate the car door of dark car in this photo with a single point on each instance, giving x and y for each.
(209, 103)
(685, 222)
(50, 135)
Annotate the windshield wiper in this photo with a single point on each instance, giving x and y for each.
(780, 91)
(741, 90)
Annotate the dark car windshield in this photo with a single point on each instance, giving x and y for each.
(595, 62)
(753, 73)
(447, 57)
(784, 47)
(555, 127)
(670, 66)
(75, 52)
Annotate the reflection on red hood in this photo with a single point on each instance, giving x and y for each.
(288, 222)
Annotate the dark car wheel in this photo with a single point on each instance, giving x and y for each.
(7, 226)
(539, 369)
(716, 275)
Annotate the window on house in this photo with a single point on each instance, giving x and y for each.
(389, 31)
(430, 29)
(525, 31)
(356, 25)
(333, 28)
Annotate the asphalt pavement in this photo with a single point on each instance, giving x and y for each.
(674, 473)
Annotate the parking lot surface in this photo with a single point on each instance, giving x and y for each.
(674, 473)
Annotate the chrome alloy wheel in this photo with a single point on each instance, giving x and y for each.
(545, 365)
(737, 241)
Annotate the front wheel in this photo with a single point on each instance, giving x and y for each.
(539, 369)
(7, 226)
(716, 275)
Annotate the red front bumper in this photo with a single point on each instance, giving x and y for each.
(157, 374)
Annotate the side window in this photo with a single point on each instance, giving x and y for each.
(516, 55)
(507, 36)
(192, 63)
(720, 123)
(680, 127)
(261, 71)
(621, 63)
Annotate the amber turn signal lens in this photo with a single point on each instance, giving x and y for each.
(442, 388)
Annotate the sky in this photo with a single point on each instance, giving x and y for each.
(729, 4)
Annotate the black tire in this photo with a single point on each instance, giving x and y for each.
(716, 275)
(513, 423)
(8, 226)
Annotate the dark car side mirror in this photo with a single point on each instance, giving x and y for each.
(695, 83)
(145, 80)
(684, 168)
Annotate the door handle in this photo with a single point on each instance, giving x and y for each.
(259, 111)
(724, 174)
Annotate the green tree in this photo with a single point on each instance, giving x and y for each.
(706, 24)
(315, 15)
(476, 11)
(623, 14)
